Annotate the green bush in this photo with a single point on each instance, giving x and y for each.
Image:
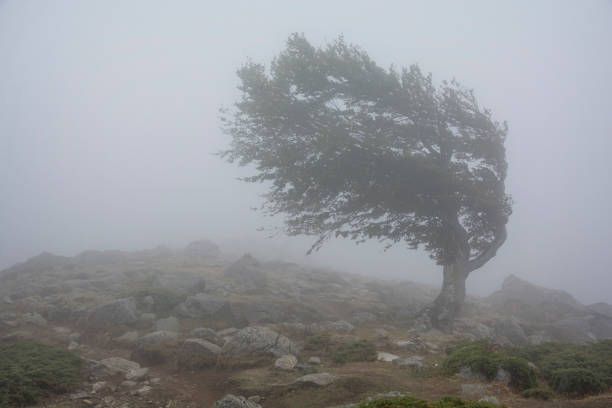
(482, 358)
(30, 371)
(360, 350)
(319, 343)
(538, 393)
(409, 402)
(577, 382)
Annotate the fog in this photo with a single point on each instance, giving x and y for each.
(109, 125)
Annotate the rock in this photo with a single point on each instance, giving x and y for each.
(466, 373)
(286, 362)
(318, 379)
(171, 324)
(381, 334)
(73, 345)
(148, 317)
(510, 329)
(490, 399)
(406, 345)
(202, 249)
(255, 345)
(144, 390)
(198, 353)
(386, 357)
(208, 334)
(127, 338)
(247, 273)
(473, 390)
(414, 362)
(229, 332)
(155, 348)
(122, 311)
(255, 398)
(98, 386)
(503, 376)
(233, 401)
(129, 384)
(314, 360)
(119, 365)
(138, 374)
(202, 305)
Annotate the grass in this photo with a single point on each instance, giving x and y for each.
(30, 371)
(409, 402)
(338, 351)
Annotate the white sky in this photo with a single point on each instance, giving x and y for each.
(109, 118)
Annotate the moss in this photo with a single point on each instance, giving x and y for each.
(360, 350)
(30, 371)
(543, 394)
(409, 402)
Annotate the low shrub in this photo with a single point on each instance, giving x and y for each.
(409, 402)
(318, 343)
(538, 393)
(521, 375)
(360, 350)
(577, 382)
(30, 371)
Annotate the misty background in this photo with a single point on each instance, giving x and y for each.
(109, 125)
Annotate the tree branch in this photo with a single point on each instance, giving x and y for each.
(483, 258)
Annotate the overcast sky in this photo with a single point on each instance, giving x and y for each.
(109, 122)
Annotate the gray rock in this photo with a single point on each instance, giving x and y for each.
(119, 364)
(314, 360)
(286, 362)
(127, 338)
(155, 348)
(168, 324)
(503, 376)
(386, 357)
(98, 386)
(510, 329)
(233, 401)
(318, 379)
(247, 273)
(208, 334)
(203, 305)
(198, 353)
(34, 318)
(413, 362)
(254, 345)
(122, 311)
(138, 374)
(473, 390)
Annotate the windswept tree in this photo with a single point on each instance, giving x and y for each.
(350, 149)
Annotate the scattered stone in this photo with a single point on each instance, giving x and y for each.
(119, 365)
(227, 332)
(127, 338)
(138, 374)
(204, 305)
(209, 335)
(171, 324)
(286, 362)
(98, 386)
(198, 353)
(386, 357)
(255, 345)
(121, 311)
(314, 360)
(318, 379)
(490, 399)
(473, 390)
(233, 401)
(381, 334)
(34, 318)
(144, 390)
(155, 348)
(414, 362)
(255, 398)
(248, 274)
(73, 345)
(129, 384)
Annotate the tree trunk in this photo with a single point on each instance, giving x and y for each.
(449, 302)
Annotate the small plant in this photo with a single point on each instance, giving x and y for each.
(577, 382)
(538, 393)
(30, 371)
(360, 350)
(409, 402)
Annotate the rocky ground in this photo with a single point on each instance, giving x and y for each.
(185, 328)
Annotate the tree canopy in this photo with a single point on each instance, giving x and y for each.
(351, 149)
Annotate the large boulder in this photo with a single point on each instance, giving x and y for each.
(198, 353)
(510, 329)
(207, 334)
(202, 249)
(121, 311)
(255, 345)
(156, 347)
(247, 273)
(233, 401)
(203, 306)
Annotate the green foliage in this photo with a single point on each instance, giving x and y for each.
(30, 371)
(482, 358)
(164, 300)
(576, 382)
(543, 394)
(319, 343)
(350, 149)
(360, 350)
(409, 402)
